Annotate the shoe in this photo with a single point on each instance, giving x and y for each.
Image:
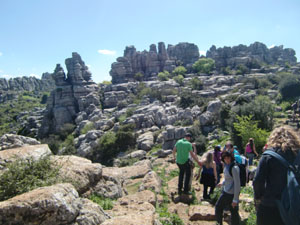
(187, 193)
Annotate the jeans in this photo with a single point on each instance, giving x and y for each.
(225, 200)
(184, 172)
(268, 215)
(250, 157)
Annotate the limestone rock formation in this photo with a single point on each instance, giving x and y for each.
(150, 63)
(34, 152)
(74, 93)
(8, 141)
(57, 204)
(251, 55)
(27, 84)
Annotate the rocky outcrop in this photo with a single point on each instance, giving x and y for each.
(74, 93)
(57, 204)
(150, 63)
(173, 134)
(251, 56)
(8, 141)
(34, 152)
(27, 83)
(81, 171)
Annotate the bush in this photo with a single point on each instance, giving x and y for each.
(179, 79)
(89, 126)
(187, 99)
(68, 145)
(139, 76)
(196, 84)
(204, 65)
(289, 87)
(198, 137)
(179, 70)
(247, 128)
(25, 175)
(226, 70)
(163, 76)
(66, 129)
(242, 69)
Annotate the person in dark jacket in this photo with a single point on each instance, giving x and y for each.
(271, 176)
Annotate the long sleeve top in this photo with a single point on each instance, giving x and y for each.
(232, 184)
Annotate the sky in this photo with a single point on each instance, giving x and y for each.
(35, 35)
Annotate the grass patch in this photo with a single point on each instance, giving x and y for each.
(133, 188)
(105, 203)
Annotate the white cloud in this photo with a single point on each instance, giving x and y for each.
(272, 46)
(201, 52)
(1, 54)
(1, 71)
(89, 66)
(106, 52)
(34, 75)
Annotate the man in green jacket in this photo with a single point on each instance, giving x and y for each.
(184, 148)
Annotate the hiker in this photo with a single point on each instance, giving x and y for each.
(233, 149)
(192, 164)
(218, 161)
(231, 190)
(181, 151)
(295, 110)
(271, 175)
(250, 151)
(209, 176)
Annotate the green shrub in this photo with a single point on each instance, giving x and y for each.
(179, 70)
(247, 128)
(226, 70)
(53, 142)
(105, 82)
(25, 175)
(289, 87)
(242, 69)
(163, 76)
(88, 127)
(105, 203)
(179, 79)
(69, 145)
(204, 65)
(187, 99)
(196, 84)
(66, 129)
(139, 76)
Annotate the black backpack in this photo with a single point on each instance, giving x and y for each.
(289, 205)
(243, 173)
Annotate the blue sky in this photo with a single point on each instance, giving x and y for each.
(35, 35)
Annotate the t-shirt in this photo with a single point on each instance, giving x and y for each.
(183, 147)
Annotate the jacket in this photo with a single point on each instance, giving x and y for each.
(271, 178)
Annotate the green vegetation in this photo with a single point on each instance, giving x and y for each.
(10, 110)
(139, 76)
(204, 65)
(179, 70)
(196, 84)
(289, 86)
(110, 144)
(105, 82)
(179, 79)
(242, 69)
(247, 128)
(105, 203)
(88, 127)
(163, 76)
(25, 175)
(187, 99)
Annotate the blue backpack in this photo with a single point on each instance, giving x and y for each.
(289, 205)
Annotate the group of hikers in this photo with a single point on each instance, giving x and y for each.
(280, 155)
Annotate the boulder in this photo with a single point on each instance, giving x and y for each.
(151, 182)
(82, 171)
(108, 187)
(57, 204)
(34, 152)
(130, 172)
(145, 141)
(201, 212)
(8, 141)
(139, 154)
(138, 198)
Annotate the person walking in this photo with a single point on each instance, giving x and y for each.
(209, 176)
(218, 161)
(181, 151)
(231, 190)
(250, 151)
(271, 176)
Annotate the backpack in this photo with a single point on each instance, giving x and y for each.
(243, 172)
(289, 206)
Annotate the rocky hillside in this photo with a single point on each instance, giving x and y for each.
(112, 142)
